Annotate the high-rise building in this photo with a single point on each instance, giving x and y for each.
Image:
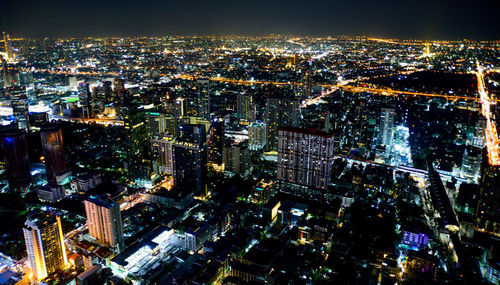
(279, 113)
(104, 221)
(161, 149)
(19, 103)
(45, 244)
(119, 85)
(138, 142)
(159, 124)
(215, 142)
(488, 210)
(245, 107)
(9, 51)
(203, 98)
(190, 154)
(53, 151)
(305, 157)
(153, 124)
(256, 136)
(236, 158)
(107, 92)
(14, 146)
(471, 163)
(85, 99)
(479, 133)
(179, 113)
(307, 81)
(5, 74)
(73, 82)
(386, 126)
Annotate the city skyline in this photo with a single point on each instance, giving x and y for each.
(128, 158)
(429, 20)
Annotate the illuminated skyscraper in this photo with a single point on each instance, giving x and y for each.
(161, 149)
(215, 142)
(45, 244)
(9, 51)
(279, 113)
(386, 126)
(190, 156)
(119, 85)
(159, 124)
(256, 136)
(246, 107)
(308, 84)
(108, 98)
(104, 221)
(19, 103)
(5, 75)
(53, 150)
(203, 98)
(305, 157)
(236, 158)
(14, 146)
(85, 99)
(179, 113)
(471, 163)
(138, 143)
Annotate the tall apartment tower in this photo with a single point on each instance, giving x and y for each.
(85, 98)
(203, 98)
(236, 158)
(245, 106)
(215, 142)
(279, 113)
(190, 156)
(104, 221)
(9, 51)
(119, 89)
(179, 113)
(14, 145)
(53, 150)
(305, 157)
(386, 126)
(256, 136)
(45, 244)
(161, 149)
(19, 103)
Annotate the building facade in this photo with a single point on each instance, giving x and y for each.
(14, 146)
(279, 113)
(305, 157)
(162, 154)
(44, 244)
(246, 108)
(53, 150)
(256, 136)
(386, 126)
(190, 154)
(104, 221)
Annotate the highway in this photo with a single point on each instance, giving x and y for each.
(345, 85)
(491, 130)
(330, 87)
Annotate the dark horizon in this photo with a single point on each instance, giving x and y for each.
(422, 20)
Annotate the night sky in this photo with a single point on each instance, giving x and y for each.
(424, 19)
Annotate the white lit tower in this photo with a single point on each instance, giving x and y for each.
(45, 244)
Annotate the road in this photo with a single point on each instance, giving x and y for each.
(491, 130)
